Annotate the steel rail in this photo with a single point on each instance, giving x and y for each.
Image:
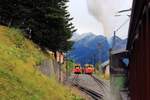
(99, 82)
(93, 94)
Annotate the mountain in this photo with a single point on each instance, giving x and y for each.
(89, 48)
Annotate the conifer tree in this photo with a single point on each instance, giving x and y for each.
(46, 22)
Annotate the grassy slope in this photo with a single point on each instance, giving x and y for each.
(19, 79)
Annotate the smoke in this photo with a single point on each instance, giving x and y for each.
(104, 11)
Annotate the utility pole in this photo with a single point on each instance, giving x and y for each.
(114, 38)
(122, 11)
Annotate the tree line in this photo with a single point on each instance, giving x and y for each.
(46, 22)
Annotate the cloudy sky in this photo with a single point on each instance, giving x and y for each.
(86, 22)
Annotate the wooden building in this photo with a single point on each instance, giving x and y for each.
(105, 67)
(116, 61)
(119, 73)
(139, 50)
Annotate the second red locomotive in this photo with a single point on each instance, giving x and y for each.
(88, 69)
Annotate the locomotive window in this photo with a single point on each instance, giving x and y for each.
(76, 66)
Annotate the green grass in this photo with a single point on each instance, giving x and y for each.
(119, 82)
(70, 66)
(19, 78)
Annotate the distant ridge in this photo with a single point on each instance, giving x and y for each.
(91, 48)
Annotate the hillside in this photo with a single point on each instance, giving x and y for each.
(19, 77)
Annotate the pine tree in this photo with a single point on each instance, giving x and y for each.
(46, 22)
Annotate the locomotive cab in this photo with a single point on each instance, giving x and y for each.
(77, 69)
(88, 69)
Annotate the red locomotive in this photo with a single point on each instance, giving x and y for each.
(88, 69)
(77, 69)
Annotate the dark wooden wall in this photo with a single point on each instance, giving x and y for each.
(139, 50)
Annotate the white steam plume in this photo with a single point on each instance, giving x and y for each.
(104, 11)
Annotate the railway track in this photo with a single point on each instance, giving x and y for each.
(99, 82)
(104, 86)
(92, 93)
